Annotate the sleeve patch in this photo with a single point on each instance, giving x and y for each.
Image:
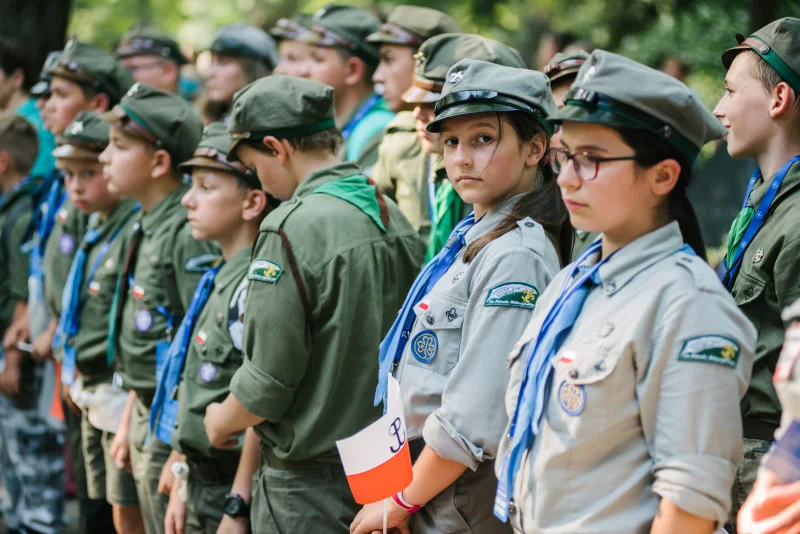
(513, 295)
(263, 270)
(201, 263)
(719, 350)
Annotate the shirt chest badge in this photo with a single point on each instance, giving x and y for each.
(207, 372)
(572, 398)
(144, 320)
(758, 256)
(66, 244)
(424, 346)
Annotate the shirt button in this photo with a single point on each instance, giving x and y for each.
(429, 320)
(529, 224)
(573, 373)
(512, 508)
(610, 288)
(600, 366)
(748, 292)
(733, 293)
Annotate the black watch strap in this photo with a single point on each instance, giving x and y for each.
(236, 506)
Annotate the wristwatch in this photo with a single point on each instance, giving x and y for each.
(235, 506)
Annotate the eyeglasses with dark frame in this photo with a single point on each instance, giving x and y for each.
(586, 165)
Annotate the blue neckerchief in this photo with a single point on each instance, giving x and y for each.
(394, 343)
(373, 101)
(758, 219)
(526, 419)
(43, 223)
(73, 296)
(164, 410)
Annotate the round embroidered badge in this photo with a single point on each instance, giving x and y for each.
(207, 372)
(424, 346)
(66, 244)
(144, 320)
(572, 398)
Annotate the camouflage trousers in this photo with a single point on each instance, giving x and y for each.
(32, 468)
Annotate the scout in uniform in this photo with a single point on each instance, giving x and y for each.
(225, 204)
(761, 112)
(82, 335)
(413, 173)
(628, 421)
(562, 71)
(293, 53)
(343, 58)
(152, 131)
(329, 271)
(474, 299)
(240, 54)
(31, 451)
(152, 57)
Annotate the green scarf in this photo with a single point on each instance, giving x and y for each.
(738, 229)
(446, 214)
(358, 192)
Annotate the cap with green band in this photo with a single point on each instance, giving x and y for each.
(345, 27)
(778, 43)
(84, 138)
(616, 91)
(282, 107)
(475, 86)
(212, 153)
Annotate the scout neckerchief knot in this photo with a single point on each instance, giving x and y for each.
(373, 101)
(75, 291)
(357, 191)
(164, 410)
(395, 341)
(748, 222)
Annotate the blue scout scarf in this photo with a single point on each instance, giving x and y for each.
(73, 296)
(164, 410)
(391, 349)
(43, 223)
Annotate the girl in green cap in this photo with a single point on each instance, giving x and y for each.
(474, 299)
(624, 390)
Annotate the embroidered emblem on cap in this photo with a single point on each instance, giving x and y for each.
(589, 74)
(425, 346)
(514, 295)
(144, 320)
(763, 49)
(758, 256)
(134, 90)
(66, 244)
(572, 398)
(263, 270)
(419, 58)
(75, 128)
(207, 372)
(456, 77)
(715, 349)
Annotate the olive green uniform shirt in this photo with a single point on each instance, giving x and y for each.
(315, 384)
(97, 294)
(767, 282)
(62, 244)
(212, 357)
(14, 262)
(582, 241)
(169, 264)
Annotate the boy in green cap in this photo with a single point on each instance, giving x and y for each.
(327, 276)
(761, 111)
(294, 54)
(31, 450)
(343, 58)
(153, 57)
(414, 175)
(152, 132)
(225, 204)
(82, 334)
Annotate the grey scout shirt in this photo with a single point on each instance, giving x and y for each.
(644, 399)
(452, 373)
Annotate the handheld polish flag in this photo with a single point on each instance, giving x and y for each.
(377, 460)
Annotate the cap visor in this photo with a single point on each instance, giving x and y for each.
(730, 54)
(205, 163)
(596, 116)
(232, 150)
(418, 95)
(466, 109)
(73, 152)
(381, 37)
(40, 89)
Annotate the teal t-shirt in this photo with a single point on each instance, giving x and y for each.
(45, 162)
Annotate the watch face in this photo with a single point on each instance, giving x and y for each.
(233, 505)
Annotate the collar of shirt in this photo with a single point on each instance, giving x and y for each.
(790, 182)
(233, 271)
(163, 210)
(324, 176)
(637, 257)
(491, 219)
(108, 225)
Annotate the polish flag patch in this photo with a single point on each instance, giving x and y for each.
(138, 292)
(62, 215)
(201, 337)
(424, 305)
(94, 288)
(567, 356)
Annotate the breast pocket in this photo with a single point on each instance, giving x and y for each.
(218, 359)
(748, 292)
(436, 338)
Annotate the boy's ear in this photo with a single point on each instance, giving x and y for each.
(784, 98)
(100, 103)
(278, 148)
(356, 70)
(162, 163)
(255, 203)
(5, 162)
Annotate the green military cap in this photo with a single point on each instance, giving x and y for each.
(619, 92)
(164, 119)
(778, 43)
(290, 29)
(85, 137)
(42, 87)
(475, 86)
(280, 106)
(243, 40)
(144, 41)
(439, 53)
(346, 27)
(212, 153)
(413, 25)
(89, 66)
(564, 65)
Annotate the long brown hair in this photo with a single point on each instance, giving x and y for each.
(543, 203)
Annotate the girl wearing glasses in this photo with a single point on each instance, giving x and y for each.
(473, 300)
(624, 390)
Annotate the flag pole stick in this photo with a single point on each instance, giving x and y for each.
(385, 513)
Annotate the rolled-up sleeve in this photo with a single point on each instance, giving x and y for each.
(470, 422)
(689, 395)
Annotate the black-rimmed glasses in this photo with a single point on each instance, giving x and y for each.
(586, 165)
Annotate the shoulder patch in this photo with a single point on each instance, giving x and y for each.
(711, 349)
(263, 270)
(514, 295)
(201, 263)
